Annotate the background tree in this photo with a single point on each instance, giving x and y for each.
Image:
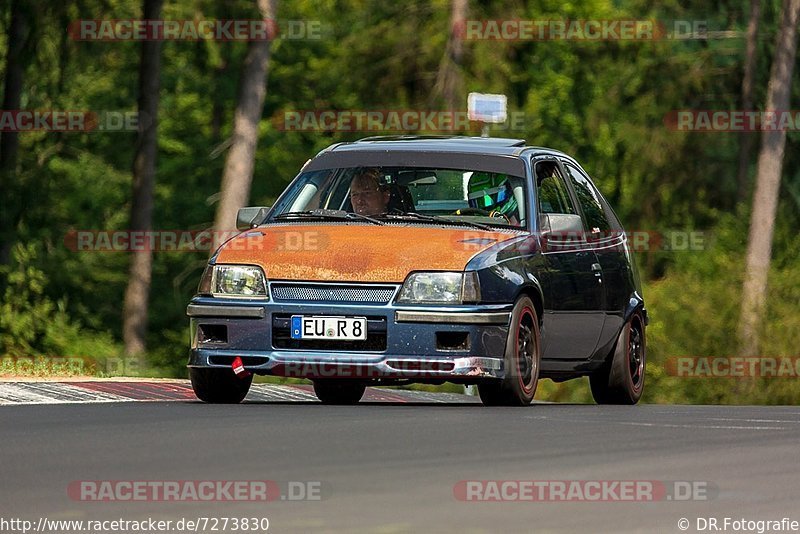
(18, 38)
(449, 79)
(768, 181)
(748, 86)
(137, 294)
(240, 160)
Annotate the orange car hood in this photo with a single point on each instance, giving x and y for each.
(356, 253)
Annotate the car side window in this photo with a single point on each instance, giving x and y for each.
(588, 197)
(553, 196)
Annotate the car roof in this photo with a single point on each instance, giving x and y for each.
(499, 146)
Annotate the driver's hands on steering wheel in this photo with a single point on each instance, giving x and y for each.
(477, 211)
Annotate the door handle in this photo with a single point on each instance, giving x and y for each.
(596, 267)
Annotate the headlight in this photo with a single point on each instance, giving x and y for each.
(440, 288)
(237, 281)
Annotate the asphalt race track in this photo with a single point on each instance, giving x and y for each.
(393, 463)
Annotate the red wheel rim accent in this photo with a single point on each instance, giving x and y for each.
(526, 349)
(635, 353)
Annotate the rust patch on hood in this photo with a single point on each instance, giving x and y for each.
(356, 253)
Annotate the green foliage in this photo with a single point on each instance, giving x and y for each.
(33, 325)
(696, 312)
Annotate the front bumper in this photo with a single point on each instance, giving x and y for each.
(418, 343)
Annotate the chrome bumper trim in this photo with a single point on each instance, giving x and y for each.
(451, 317)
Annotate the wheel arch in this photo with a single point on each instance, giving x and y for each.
(534, 292)
(635, 306)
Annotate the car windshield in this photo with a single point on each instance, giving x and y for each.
(426, 196)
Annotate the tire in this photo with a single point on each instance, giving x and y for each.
(219, 386)
(521, 361)
(335, 391)
(621, 379)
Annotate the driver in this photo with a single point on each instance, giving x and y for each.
(368, 194)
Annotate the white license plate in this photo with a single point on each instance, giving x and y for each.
(334, 328)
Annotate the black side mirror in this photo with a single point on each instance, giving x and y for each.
(558, 223)
(249, 217)
(561, 228)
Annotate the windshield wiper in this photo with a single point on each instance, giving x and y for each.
(320, 214)
(436, 219)
(354, 215)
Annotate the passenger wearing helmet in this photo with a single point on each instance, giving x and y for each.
(492, 194)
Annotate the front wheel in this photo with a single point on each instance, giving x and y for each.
(334, 391)
(621, 379)
(219, 386)
(522, 357)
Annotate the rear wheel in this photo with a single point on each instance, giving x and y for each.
(621, 379)
(338, 391)
(219, 386)
(522, 357)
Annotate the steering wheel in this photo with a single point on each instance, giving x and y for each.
(483, 213)
(497, 215)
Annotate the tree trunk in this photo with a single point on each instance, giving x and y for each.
(137, 294)
(768, 180)
(9, 141)
(240, 161)
(449, 81)
(748, 82)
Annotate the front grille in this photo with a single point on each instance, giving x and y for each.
(282, 339)
(366, 294)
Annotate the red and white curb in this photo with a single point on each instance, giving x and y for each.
(121, 390)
